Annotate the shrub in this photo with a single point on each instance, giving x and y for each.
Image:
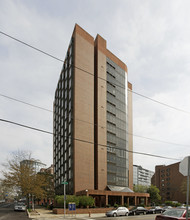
(72, 198)
(115, 205)
(173, 204)
(169, 203)
(80, 201)
(177, 204)
(85, 201)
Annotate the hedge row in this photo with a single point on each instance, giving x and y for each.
(80, 201)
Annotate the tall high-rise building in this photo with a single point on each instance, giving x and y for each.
(92, 118)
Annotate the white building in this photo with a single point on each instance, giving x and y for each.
(141, 176)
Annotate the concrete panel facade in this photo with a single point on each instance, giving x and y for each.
(130, 137)
(100, 118)
(83, 110)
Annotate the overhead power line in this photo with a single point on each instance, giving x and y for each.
(25, 126)
(41, 51)
(26, 103)
(29, 45)
(58, 59)
(161, 103)
(84, 141)
(135, 135)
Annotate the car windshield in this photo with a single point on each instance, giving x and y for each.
(174, 213)
(20, 203)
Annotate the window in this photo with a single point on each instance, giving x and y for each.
(69, 162)
(70, 72)
(69, 83)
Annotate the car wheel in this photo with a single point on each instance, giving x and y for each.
(126, 214)
(144, 213)
(114, 214)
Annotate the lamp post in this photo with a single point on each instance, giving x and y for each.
(64, 184)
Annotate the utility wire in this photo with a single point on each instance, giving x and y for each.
(25, 126)
(161, 103)
(26, 103)
(132, 134)
(41, 51)
(28, 45)
(84, 141)
(48, 54)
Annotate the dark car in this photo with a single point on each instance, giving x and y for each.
(155, 210)
(138, 210)
(118, 212)
(171, 214)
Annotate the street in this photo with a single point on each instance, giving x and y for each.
(137, 217)
(7, 212)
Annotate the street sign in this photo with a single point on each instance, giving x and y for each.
(64, 183)
(184, 165)
(72, 206)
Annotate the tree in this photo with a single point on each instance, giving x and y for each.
(21, 175)
(154, 194)
(140, 188)
(49, 185)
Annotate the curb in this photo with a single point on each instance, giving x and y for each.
(28, 213)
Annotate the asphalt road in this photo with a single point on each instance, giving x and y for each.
(7, 212)
(137, 217)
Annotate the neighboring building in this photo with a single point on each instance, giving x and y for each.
(34, 164)
(92, 120)
(48, 170)
(169, 180)
(142, 176)
(49, 188)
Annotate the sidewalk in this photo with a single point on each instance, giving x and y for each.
(44, 213)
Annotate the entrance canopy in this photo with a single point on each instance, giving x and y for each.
(119, 189)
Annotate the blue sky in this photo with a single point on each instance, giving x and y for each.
(151, 37)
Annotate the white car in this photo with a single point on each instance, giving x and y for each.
(118, 212)
(20, 206)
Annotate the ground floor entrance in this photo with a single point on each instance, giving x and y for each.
(109, 198)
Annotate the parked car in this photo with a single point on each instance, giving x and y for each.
(155, 210)
(20, 206)
(138, 210)
(181, 207)
(173, 214)
(2, 201)
(118, 212)
(166, 208)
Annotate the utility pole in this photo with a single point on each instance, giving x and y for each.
(187, 201)
(64, 185)
(184, 168)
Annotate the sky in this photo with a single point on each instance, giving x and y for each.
(151, 37)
